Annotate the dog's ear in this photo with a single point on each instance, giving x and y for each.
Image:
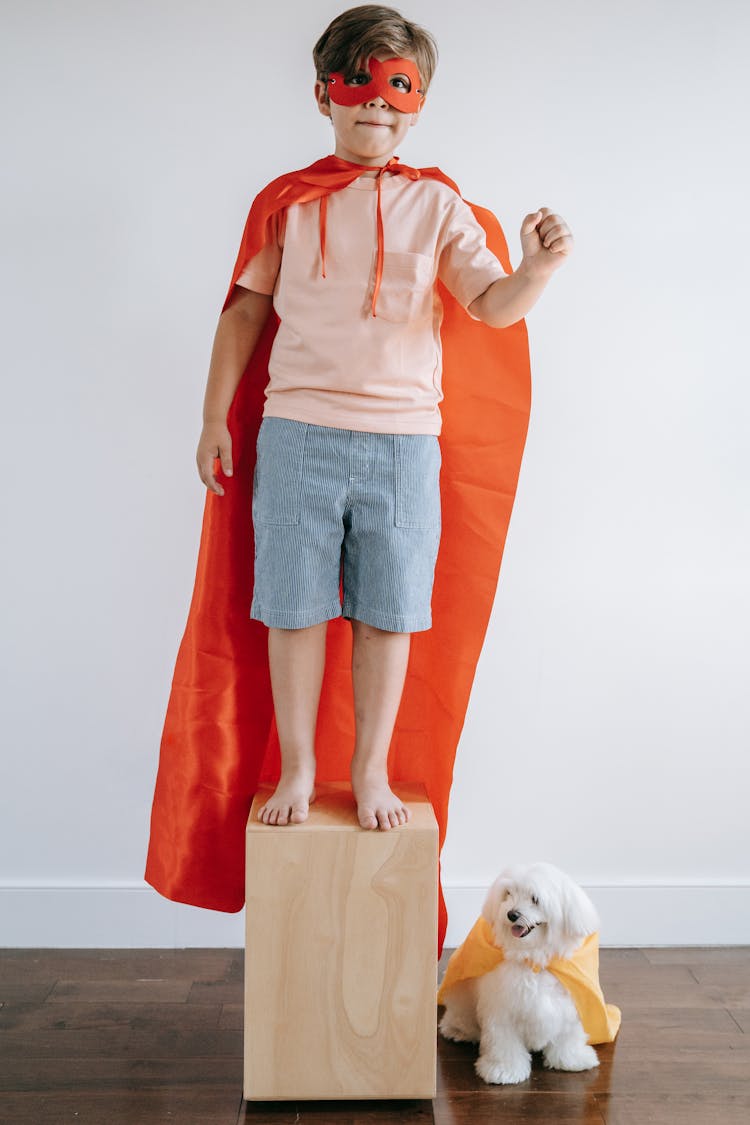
(579, 916)
(491, 907)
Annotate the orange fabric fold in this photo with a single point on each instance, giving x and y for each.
(219, 740)
(578, 974)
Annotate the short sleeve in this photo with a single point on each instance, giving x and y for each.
(466, 266)
(261, 272)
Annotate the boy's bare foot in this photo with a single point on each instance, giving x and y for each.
(290, 801)
(377, 804)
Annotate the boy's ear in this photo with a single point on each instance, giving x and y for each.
(320, 98)
(415, 116)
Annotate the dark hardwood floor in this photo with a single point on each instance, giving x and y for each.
(103, 1037)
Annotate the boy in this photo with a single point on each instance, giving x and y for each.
(349, 253)
(368, 132)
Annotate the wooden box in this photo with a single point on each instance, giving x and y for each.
(341, 953)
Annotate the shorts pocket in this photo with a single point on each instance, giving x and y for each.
(405, 288)
(417, 465)
(277, 483)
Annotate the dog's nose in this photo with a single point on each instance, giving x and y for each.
(513, 915)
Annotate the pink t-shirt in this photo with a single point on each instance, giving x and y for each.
(332, 362)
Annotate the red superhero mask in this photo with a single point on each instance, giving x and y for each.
(407, 101)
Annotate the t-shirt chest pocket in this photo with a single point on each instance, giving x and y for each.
(405, 288)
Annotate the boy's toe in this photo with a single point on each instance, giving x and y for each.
(383, 820)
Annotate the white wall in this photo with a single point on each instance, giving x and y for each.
(608, 729)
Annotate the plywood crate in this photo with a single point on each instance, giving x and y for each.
(341, 953)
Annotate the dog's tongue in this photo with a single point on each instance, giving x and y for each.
(518, 930)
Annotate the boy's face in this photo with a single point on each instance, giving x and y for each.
(371, 131)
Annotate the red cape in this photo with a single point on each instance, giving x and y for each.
(219, 741)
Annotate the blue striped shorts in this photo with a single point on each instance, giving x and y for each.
(344, 512)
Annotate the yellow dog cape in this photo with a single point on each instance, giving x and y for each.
(579, 974)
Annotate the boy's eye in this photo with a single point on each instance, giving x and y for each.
(398, 81)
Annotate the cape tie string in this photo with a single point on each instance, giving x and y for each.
(392, 166)
(381, 244)
(323, 218)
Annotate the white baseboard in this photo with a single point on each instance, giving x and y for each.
(133, 916)
(121, 916)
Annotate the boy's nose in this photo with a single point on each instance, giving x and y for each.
(378, 101)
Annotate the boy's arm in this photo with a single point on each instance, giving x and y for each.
(237, 333)
(546, 241)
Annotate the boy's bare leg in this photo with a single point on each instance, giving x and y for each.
(296, 659)
(379, 661)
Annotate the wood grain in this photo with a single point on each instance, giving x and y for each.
(341, 965)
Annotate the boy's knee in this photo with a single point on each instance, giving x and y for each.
(274, 630)
(364, 629)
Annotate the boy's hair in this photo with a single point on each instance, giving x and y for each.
(358, 33)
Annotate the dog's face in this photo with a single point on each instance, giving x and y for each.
(538, 912)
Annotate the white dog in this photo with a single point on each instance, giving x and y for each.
(537, 916)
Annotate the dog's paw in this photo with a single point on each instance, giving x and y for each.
(499, 1072)
(458, 1032)
(578, 1058)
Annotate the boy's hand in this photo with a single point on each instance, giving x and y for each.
(215, 441)
(546, 242)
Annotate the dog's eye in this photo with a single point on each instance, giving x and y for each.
(535, 900)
